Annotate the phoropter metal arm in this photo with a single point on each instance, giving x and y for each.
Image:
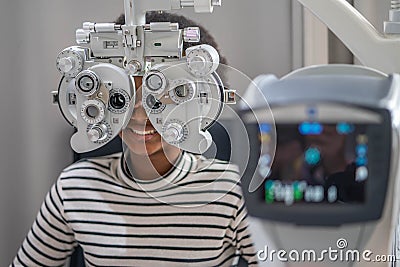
(371, 47)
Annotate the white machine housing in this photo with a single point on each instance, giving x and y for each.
(334, 91)
(97, 92)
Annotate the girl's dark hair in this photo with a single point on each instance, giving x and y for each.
(205, 36)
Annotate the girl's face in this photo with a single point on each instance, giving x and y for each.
(140, 135)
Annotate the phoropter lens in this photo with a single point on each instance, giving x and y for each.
(154, 82)
(152, 102)
(181, 91)
(86, 83)
(92, 111)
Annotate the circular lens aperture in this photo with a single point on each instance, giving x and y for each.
(117, 101)
(181, 91)
(154, 82)
(152, 102)
(87, 82)
(92, 111)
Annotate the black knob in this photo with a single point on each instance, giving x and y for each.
(117, 101)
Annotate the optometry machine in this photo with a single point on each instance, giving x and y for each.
(326, 192)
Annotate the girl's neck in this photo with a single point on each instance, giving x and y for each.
(149, 167)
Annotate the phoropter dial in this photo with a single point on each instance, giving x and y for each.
(152, 104)
(174, 132)
(202, 60)
(99, 133)
(182, 91)
(191, 35)
(155, 81)
(93, 111)
(69, 62)
(87, 83)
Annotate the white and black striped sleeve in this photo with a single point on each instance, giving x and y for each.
(50, 240)
(243, 240)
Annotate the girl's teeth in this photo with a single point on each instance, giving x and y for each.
(144, 132)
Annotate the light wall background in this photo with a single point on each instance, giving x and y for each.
(34, 137)
(257, 36)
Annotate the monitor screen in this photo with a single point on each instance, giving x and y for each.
(314, 163)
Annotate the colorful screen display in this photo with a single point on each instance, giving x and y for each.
(314, 163)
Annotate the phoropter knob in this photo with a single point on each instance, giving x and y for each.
(93, 111)
(69, 62)
(97, 133)
(191, 35)
(202, 60)
(87, 82)
(173, 132)
(155, 81)
(82, 36)
(66, 64)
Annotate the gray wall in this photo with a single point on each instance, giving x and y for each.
(376, 11)
(34, 137)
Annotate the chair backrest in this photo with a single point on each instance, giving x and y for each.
(114, 146)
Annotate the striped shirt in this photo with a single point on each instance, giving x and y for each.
(194, 215)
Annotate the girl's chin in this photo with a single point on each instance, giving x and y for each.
(144, 138)
(146, 144)
(144, 148)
